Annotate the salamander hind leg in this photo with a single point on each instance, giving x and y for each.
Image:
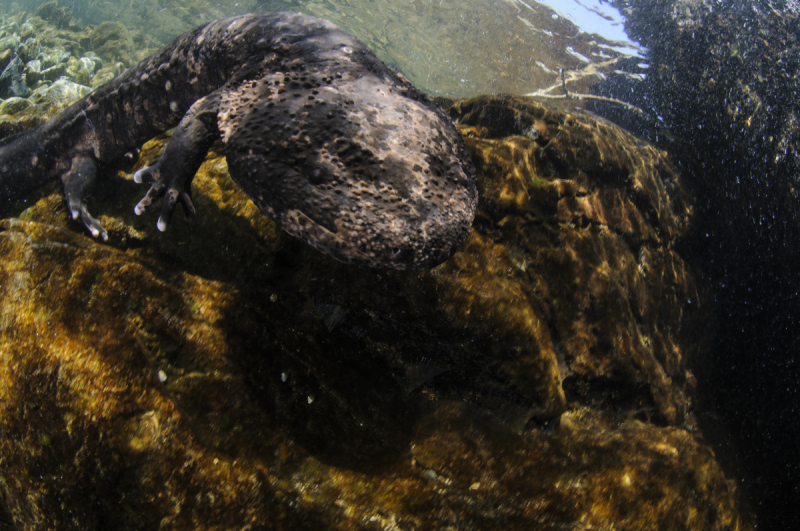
(171, 177)
(77, 183)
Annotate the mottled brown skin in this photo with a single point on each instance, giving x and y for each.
(329, 142)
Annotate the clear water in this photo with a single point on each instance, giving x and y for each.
(455, 48)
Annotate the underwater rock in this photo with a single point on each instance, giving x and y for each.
(26, 31)
(9, 27)
(51, 58)
(23, 118)
(106, 73)
(49, 52)
(583, 218)
(60, 17)
(29, 50)
(112, 42)
(33, 72)
(9, 42)
(724, 78)
(81, 70)
(54, 72)
(63, 92)
(223, 374)
(11, 81)
(14, 105)
(5, 57)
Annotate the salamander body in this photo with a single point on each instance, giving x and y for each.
(324, 138)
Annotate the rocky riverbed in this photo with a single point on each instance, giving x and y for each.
(47, 61)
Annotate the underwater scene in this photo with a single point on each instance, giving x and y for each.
(400, 265)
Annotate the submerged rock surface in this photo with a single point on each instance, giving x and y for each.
(723, 78)
(49, 61)
(224, 375)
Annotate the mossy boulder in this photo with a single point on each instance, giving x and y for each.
(223, 374)
(14, 105)
(59, 16)
(113, 42)
(724, 80)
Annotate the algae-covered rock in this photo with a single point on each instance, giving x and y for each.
(49, 51)
(54, 72)
(225, 375)
(9, 42)
(26, 31)
(81, 70)
(107, 73)
(724, 78)
(112, 42)
(59, 16)
(29, 50)
(12, 82)
(63, 92)
(27, 118)
(583, 218)
(5, 57)
(14, 105)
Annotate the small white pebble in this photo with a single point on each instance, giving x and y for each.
(274, 297)
(475, 486)
(284, 376)
(310, 398)
(162, 376)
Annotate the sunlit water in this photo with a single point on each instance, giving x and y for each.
(456, 48)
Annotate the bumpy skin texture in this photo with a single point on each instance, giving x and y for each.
(329, 142)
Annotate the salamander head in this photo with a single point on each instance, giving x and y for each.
(352, 160)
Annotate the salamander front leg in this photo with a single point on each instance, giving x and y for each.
(77, 182)
(171, 177)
